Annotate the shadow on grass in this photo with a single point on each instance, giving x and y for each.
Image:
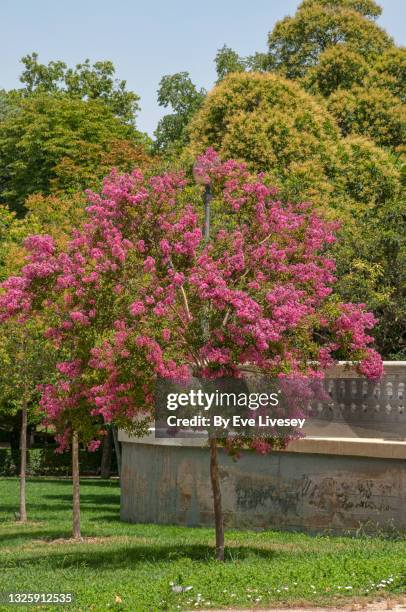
(66, 481)
(98, 502)
(90, 501)
(103, 557)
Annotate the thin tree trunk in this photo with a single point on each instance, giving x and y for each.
(75, 487)
(218, 511)
(105, 464)
(23, 463)
(117, 449)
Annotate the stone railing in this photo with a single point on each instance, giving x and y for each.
(362, 408)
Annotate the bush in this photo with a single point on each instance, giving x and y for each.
(45, 462)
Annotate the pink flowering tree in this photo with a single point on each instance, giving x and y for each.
(139, 294)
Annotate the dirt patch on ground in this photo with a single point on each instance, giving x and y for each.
(86, 540)
(358, 605)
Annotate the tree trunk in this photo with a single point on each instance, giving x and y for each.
(105, 465)
(75, 487)
(218, 511)
(23, 463)
(117, 449)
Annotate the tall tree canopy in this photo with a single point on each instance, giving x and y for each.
(178, 92)
(48, 131)
(86, 81)
(296, 43)
(274, 125)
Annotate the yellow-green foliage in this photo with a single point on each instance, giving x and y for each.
(296, 43)
(390, 72)
(368, 176)
(338, 66)
(372, 112)
(274, 125)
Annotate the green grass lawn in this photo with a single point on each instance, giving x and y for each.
(136, 563)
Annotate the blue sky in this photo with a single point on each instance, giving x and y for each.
(147, 39)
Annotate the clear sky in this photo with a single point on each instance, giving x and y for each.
(146, 39)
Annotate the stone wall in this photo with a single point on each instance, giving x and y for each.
(290, 490)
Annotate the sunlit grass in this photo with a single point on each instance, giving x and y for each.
(131, 567)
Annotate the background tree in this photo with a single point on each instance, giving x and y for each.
(338, 67)
(389, 72)
(48, 132)
(227, 61)
(296, 43)
(86, 82)
(178, 92)
(371, 265)
(372, 112)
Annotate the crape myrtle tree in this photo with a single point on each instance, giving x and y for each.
(140, 294)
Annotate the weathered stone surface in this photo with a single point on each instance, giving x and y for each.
(315, 492)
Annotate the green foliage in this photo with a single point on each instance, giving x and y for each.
(178, 92)
(369, 176)
(45, 462)
(46, 132)
(85, 82)
(227, 61)
(338, 67)
(26, 361)
(9, 101)
(367, 8)
(371, 260)
(371, 112)
(389, 72)
(296, 43)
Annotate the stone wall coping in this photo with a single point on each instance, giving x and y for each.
(358, 447)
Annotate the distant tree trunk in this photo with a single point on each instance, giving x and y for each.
(105, 466)
(218, 511)
(23, 462)
(75, 487)
(117, 449)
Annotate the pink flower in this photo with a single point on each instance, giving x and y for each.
(137, 308)
(371, 366)
(93, 445)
